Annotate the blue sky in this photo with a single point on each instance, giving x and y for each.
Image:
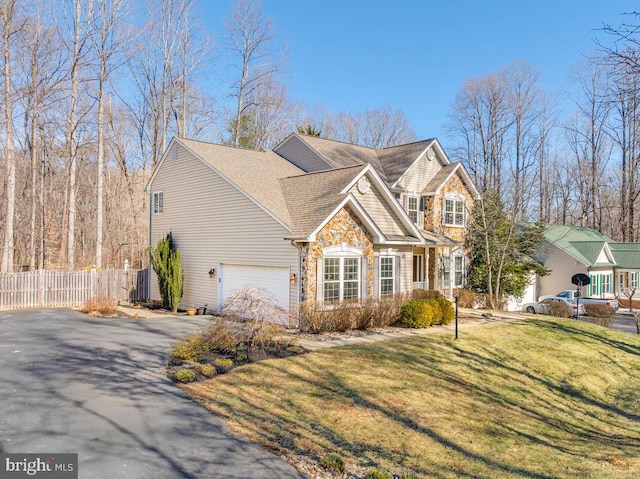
(414, 55)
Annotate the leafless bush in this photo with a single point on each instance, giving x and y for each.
(469, 299)
(560, 310)
(600, 314)
(100, 306)
(260, 321)
(319, 318)
(367, 314)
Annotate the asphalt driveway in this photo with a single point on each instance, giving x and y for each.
(96, 387)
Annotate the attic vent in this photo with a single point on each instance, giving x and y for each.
(363, 185)
(174, 152)
(431, 155)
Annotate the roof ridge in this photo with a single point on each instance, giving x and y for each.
(406, 144)
(224, 145)
(329, 170)
(337, 141)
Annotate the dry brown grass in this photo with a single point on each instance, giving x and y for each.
(542, 398)
(100, 307)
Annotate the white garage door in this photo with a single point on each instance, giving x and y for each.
(273, 279)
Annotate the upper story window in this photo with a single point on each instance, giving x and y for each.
(413, 205)
(454, 212)
(158, 203)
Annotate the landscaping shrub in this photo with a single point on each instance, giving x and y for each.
(422, 313)
(223, 365)
(560, 310)
(368, 314)
(447, 311)
(190, 348)
(318, 318)
(419, 313)
(388, 310)
(426, 294)
(333, 462)
(219, 337)
(600, 314)
(378, 473)
(167, 264)
(100, 306)
(207, 370)
(468, 298)
(185, 376)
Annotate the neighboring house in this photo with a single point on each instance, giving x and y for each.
(568, 250)
(312, 219)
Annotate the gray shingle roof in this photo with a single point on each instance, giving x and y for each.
(340, 154)
(390, 162)
(438, 239)
(313, 196)
(395, 160)
(440, 178)
(255, 172)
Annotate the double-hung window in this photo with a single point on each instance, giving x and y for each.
(453, 266)
(158, 203)
(341, 278)
(387, 275)
(633, 279)
(413, 208)
(458, 270)
(454, 212)
(606, 284)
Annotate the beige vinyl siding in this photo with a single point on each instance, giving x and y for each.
(213, 223)
(420, 175)
(562, 267)
(299, 153)
(380, 211)
(406, 269)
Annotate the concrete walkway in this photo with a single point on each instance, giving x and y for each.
(481, 318)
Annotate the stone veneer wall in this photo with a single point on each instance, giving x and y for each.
(434, 213)
(346, 228)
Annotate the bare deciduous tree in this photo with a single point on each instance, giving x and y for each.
(251, 38)
(9, 28)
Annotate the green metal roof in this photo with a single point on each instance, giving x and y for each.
(586, 244)
(627, 255)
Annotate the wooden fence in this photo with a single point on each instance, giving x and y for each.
(44, 289)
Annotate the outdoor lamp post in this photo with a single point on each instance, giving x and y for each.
(456, 297)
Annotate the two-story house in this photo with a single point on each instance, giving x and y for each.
(436, 194)
(313, 219)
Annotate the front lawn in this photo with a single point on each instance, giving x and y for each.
(540, 398)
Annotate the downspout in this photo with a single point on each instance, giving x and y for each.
(300, 298)
(149, 248)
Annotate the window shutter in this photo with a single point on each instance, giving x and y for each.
(364, 277)
(421, 203)
(320, 280)
(376, 277)
(397, 282)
